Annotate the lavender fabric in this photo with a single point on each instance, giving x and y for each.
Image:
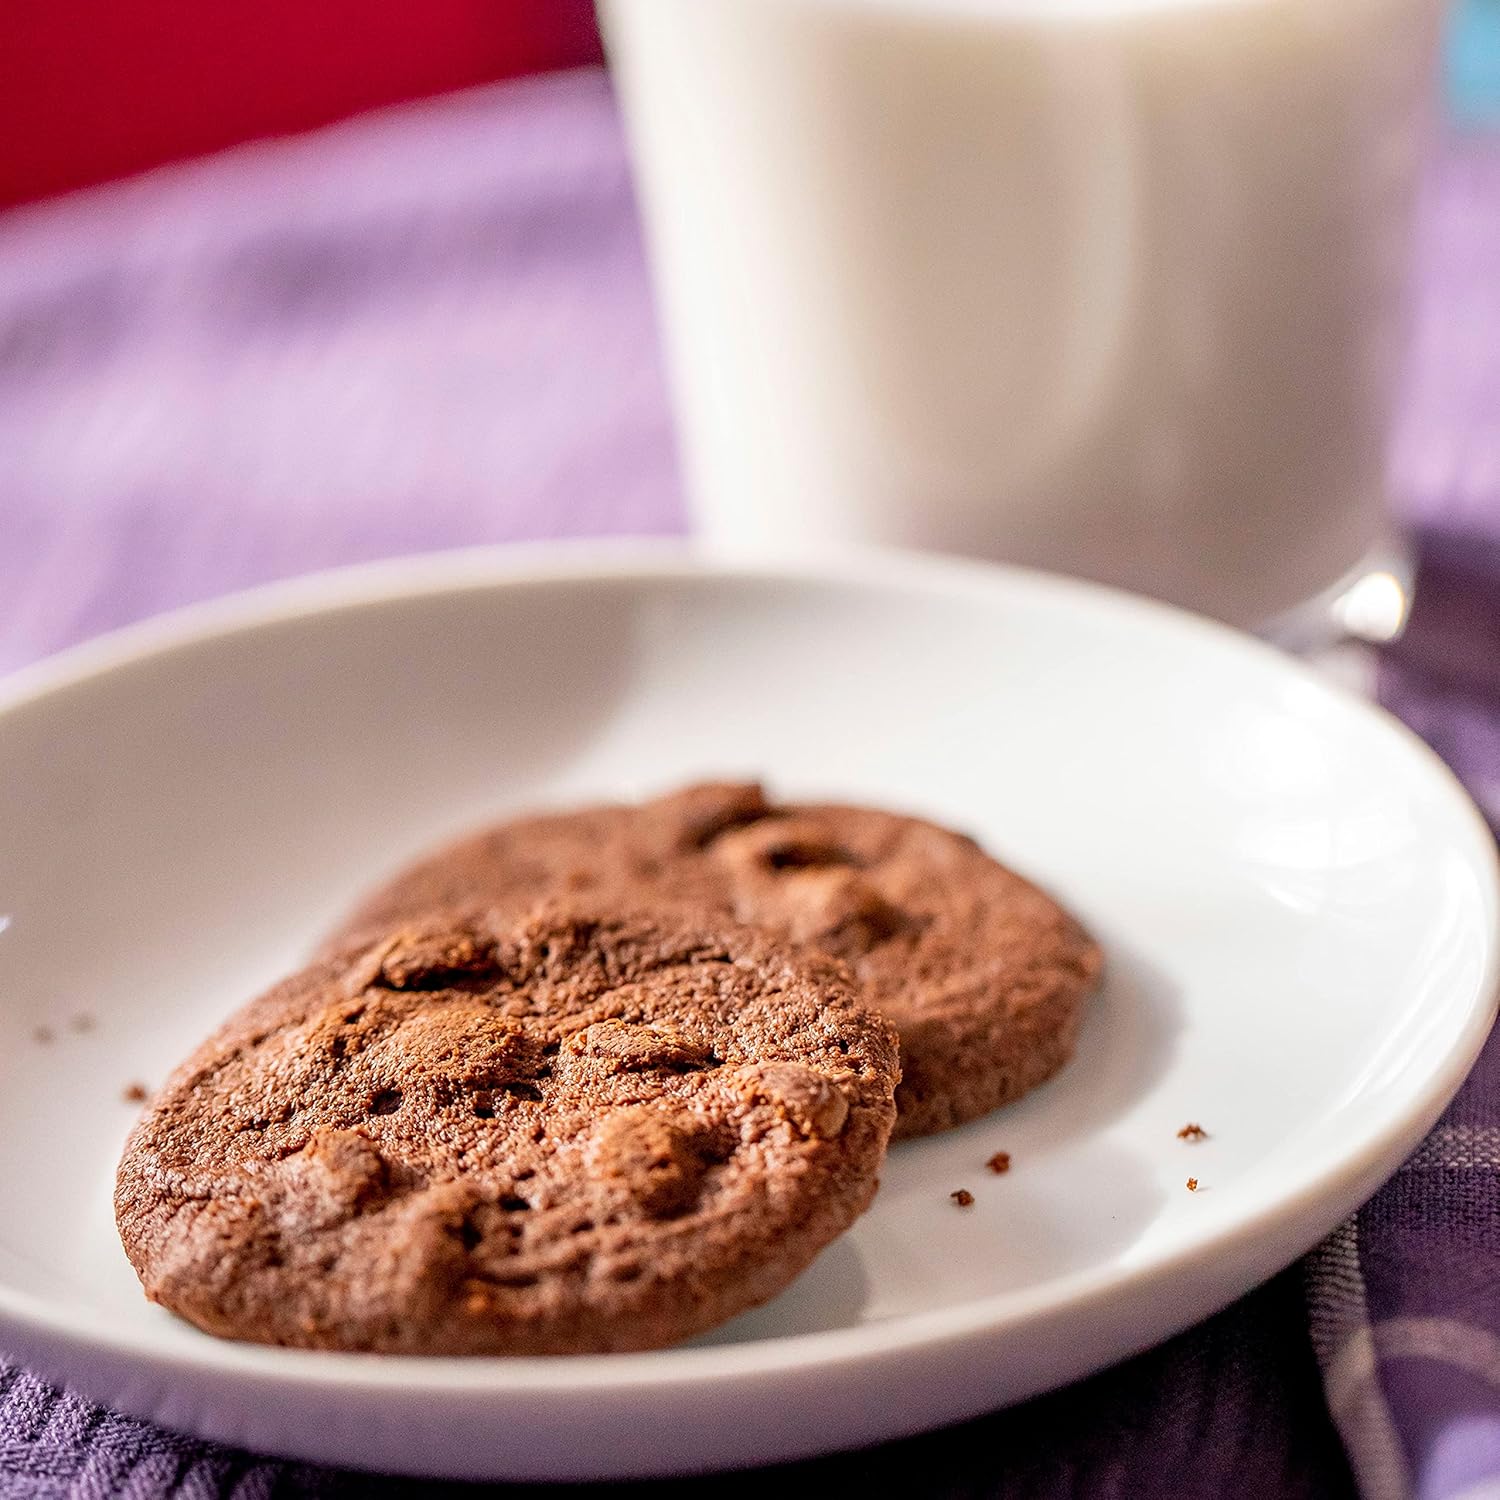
(432, 327)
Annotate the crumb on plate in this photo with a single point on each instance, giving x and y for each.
(1192, 1184)
(999, 1162)
(135, 1093)
(1192, 1131)
(962, 1196)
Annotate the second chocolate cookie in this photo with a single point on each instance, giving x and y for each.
(983, 974)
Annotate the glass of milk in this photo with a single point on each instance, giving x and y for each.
(1112, 287)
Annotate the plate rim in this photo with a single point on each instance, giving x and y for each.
(643, 562)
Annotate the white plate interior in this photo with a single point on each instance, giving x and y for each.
(1297, 903)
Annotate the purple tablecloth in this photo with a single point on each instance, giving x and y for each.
(432, 328)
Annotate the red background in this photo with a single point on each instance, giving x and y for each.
(94, 89)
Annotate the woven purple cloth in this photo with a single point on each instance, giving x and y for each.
(432, 328)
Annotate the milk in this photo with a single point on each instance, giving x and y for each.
(1108, 286)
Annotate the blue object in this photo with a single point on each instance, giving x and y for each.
(1472, 62)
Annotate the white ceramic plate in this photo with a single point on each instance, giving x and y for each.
(1298, 902)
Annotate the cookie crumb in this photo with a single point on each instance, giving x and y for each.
(963, 1197)
(999, 1162)
(1192, 1131)
(43, 1034)
(1192, 1184)
(83, 1021)
(135, 1093)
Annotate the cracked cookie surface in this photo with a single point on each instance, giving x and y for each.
(983, 974)
(586, 1131)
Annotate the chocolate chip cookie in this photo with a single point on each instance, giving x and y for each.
(983, 974)
(584, 1132)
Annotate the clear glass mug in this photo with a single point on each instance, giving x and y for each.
(1113, 287)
